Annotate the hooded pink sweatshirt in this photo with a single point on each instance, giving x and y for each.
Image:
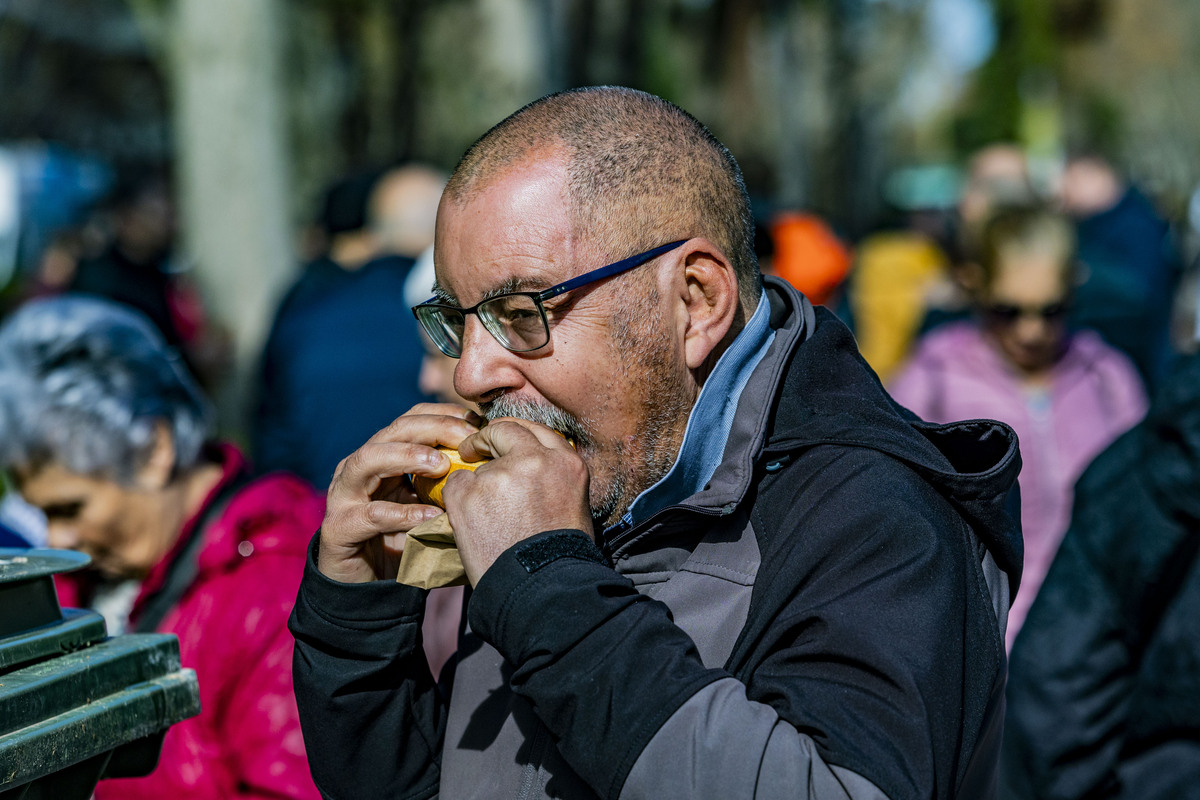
(1094, 396)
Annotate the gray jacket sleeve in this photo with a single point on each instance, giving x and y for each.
(768, 758)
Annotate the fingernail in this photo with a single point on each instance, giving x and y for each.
(434, 458)
(430, 513)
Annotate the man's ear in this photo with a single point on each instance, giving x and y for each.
(159, 468)
(710, 300)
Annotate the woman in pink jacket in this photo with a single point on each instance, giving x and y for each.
(1067, 394)
(103, 430)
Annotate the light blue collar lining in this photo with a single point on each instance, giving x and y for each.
(709, 422)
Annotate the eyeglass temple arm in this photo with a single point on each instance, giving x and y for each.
(616, 268)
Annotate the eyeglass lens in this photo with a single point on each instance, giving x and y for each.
(445, 327)
(515, 320)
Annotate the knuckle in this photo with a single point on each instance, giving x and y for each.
(419, 409)
(374, 514)
(353, 463)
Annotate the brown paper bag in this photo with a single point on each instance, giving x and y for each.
(430, 559)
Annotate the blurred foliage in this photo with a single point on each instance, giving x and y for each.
(1029, 54)
(813, 96)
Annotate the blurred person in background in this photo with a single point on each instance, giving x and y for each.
(105, 432)
(138, 267)
(134, 267)
(808, 255)
(1068, 395)
(1104, 686)
(909, 280)
(1130, 266)
(997, 176)
(343, 354)
(57, 265)
(444, 606)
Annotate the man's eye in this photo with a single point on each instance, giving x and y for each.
(63, 510)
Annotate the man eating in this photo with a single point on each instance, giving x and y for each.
(752, 575)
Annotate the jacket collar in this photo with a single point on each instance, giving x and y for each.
(813, 388)
(792, 319)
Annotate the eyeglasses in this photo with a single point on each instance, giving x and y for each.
(517, 320)
(1007, 314)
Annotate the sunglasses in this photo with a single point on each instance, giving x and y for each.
(1007, 314)
(517, 320)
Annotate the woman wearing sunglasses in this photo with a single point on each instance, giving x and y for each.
(1066, 393)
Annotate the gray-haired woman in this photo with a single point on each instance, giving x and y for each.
(103, 429)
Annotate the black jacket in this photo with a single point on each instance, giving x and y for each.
(817, 622)
(1104, 698)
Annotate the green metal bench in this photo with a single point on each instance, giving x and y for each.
(75, 704)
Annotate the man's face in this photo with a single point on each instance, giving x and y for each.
(614, 361)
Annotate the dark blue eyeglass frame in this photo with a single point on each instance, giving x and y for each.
(445, 323)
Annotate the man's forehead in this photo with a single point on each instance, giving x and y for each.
(515, 234)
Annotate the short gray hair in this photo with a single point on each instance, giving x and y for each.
(84, 382)
(642, 172)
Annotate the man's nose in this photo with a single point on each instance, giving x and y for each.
(485, 368)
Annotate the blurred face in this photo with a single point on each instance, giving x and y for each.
(1025, 309)
(436, 377)
(147, 227)
(996, 172)
(613, 369)
(1088, 187)
(118, 526)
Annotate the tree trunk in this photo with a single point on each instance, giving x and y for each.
(232, 171)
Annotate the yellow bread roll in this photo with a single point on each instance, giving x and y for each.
(429, 490)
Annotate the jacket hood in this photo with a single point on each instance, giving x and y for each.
(830, 395)
(1171, 442)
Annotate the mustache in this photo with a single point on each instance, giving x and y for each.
(546, 414)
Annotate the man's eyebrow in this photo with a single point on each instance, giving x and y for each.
(442, 295)
(515, 285)
(509, 286)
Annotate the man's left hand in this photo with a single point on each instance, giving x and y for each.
(536, 482)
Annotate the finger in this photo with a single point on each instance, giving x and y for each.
(549, 437)
(363, 522)
(503, 435)
(366, 468)
(431, 429)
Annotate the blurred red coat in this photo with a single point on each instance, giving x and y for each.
(232, 629)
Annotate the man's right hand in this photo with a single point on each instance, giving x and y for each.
(371, 503)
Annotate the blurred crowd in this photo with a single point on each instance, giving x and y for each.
(1062, 305)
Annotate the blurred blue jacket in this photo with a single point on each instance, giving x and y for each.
(341, 362)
